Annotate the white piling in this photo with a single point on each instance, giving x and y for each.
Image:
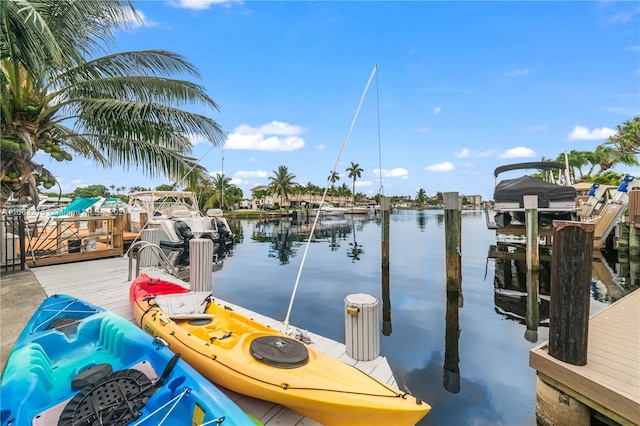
(362, 327)
(148, 257)
(201, 264)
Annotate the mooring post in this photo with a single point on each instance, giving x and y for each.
(148, 257)
(362, 326)
(385, 204)
(453, 256)
(453, 240)
(533, 267)
(570, 291)
(201, 264)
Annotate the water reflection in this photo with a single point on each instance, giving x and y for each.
(286, 236)
(451, 377)
(511, 297)
(523, 296)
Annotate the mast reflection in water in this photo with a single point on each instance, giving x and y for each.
(496, 384)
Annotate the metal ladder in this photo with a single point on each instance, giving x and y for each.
(165, 264)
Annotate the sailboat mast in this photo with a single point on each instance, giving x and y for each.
(222, 183)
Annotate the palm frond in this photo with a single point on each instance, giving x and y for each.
(141, 88)
(142, 62)
(138, 120)
(25, 36)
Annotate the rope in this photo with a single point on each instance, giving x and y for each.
(324, 195)
(58, 312)
(173, 401)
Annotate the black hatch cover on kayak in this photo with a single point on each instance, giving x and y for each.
(115, 400)
(281, 352)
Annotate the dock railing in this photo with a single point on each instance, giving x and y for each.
(139, 247)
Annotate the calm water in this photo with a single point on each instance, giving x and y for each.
(496, 385)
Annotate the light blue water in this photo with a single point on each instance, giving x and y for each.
(496, 385)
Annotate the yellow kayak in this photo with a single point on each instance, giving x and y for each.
(253, 359)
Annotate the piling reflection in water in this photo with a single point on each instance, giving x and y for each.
(451, 378)
(514, 302)
(386, 293)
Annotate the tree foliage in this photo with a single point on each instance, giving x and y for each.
(281, 183)
(59, 97)
(355, 171)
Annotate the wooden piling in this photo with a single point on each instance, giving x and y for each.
(570, 291)
(533, 267)
(385, 204)
(453, 240)
(453, 260)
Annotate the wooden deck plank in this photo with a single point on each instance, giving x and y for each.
(611, 377)
(104, 282)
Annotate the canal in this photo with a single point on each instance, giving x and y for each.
(488, 380)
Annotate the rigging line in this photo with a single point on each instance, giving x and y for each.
(194, 166)
(324, 195)
(381, 189)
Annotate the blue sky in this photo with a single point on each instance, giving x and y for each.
(461, 87)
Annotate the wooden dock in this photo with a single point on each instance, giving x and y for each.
(105, 283)
(609, 384)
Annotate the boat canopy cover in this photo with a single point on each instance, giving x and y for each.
(540, 165)
(78, 206)
(512, 191)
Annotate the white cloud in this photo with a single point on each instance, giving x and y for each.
(519, 152)
(437, 110)
(465, 153)
(268, 137)
(515, 73)
(320, 147)
(424, 129)
(581, 133)
(363, 183)
(134, 22)
(251, 174)
(447, 166)
(196, 139)
(633, 48)
(198, 4)
(398, 172)
(469, 153)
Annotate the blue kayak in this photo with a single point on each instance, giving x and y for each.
(77, 364)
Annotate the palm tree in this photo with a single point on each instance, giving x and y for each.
(216, 193)
(282, 184)
(609, 157)
(355, 171)
(119, 109)
(421, 197)
(333, 178)
(627, 138)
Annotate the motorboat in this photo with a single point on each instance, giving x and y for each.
(331, 210)
(177, 216)
(556, 201)
(359, 210)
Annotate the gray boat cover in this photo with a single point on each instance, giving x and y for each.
(513, 191)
